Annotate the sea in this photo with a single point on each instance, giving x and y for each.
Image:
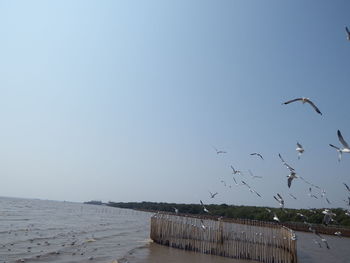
(52, 231)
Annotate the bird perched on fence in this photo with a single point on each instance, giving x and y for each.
(303, 100)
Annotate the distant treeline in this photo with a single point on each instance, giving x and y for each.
(313, 216)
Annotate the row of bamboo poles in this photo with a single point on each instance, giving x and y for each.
(241, 239)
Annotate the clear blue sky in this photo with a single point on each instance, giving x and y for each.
(124, 100)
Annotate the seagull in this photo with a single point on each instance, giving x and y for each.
(325, 242)
(268, 210)
(299, 149)
(347, 33)
(318, 243)
(311, 194)
(234, 171)
(252, 175)
(213, 195)
(258, 154)
(303, 100)
(235, 181)
(328, 201)
(176, 210)
(275, 217)
(346, 148)
(223, 182)
(328, 214)
(292, 174)
(204, 208)
(279, 199)
(338, 233)
(293, 196)
(219, 151)
(302, 216)
(202, 225)
(347, 187)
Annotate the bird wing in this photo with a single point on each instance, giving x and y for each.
(347, 30)
(290, 179)
(280, 196)
(341, 139)
(287, 165)
(347, 187)
(299, 145)
(290, 101)
(260, 156)
(314, 106)
(334, 146)
(201, 202)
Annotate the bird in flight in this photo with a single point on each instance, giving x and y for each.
(219, 151)
(299, 149)
(279, 199)
(340, 151)
(347, 187)
(292, 196)
(275, 217)
(234, 171)
(303, 100)
(204, 208)
(347, 33)
(213, 195)
(258, 154)
(292, 174)
(252, 175)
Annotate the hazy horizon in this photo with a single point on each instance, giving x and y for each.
(125, 101)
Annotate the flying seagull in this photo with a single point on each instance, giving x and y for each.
(346, 148)
(275, 217)
(347, 33)
(252, 175)
(303, 100)
(292, 196)
(258, 154)
(219, 151)
(279, 199)
(213, 195)
(204, 208)
(234, 171)
(176, 210)
(328, 214)
(299, 149)
(292, 174)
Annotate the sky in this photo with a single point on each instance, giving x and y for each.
(126, 100)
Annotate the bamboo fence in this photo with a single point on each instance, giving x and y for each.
(234, 238)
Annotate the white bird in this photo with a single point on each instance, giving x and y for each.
(275, 217)
(318, 243)
(328, 214)
(213, 195)
(293, 196)
(338, 233)
(219, 151)
(299, 149)
(347, 33)
(202, 225)
(292, 174)
(340, 151)
(252, 175)
(223, 182)
(302, 216)
(311, 194)
(279, 199)
(176, 210)
(303, 100)
(204, 208)
(234, 171)
(258, 154)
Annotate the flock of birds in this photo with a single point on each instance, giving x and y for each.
(328, 215)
